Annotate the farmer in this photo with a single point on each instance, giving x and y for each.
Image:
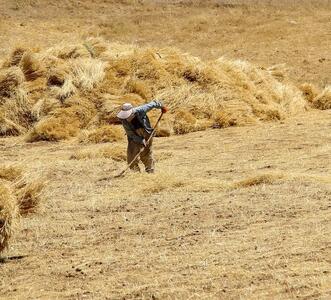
(138, 129)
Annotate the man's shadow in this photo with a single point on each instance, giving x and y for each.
(4, 260)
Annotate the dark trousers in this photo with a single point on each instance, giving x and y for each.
(146, 156)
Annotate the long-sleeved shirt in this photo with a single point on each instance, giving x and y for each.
(141, 115)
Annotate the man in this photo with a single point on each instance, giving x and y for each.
(138, 129)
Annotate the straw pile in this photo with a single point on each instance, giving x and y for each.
(19, 196)
(54, 94)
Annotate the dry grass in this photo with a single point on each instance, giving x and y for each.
(19, 196)
(27, 191)
(9, 128)
(10, 173)
(104, 134)
(29, 196)
(259, 179)
(309, 91)
(216, 208)
(10, 80)
(8, 214)
(147, 184)
(53, 129)
(114, 152)
(30, 66)
(237, 213)
(43, 107)
(323, 100)
(200, 94)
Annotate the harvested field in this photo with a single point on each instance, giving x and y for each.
(251, 222)
(240, 204)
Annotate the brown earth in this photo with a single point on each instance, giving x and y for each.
(237, 213)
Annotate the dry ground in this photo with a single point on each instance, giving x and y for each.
(233, 213)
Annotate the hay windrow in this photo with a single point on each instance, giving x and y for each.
(218, 93)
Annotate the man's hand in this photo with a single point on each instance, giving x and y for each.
(164, 109)
(144, 143)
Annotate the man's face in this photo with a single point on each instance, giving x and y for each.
(129, 119)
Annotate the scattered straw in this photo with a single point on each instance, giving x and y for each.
(258, 180)
(8, 215)
(323, 100)
(114, 152)
(31, 66)
(309, 91)
(10, 79)
(104, 134)
(53, 129)
(10, 173)
(29, 195)
(148, 184)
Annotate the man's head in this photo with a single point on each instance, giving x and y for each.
(126, 112)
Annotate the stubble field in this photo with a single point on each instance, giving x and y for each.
(238, 212)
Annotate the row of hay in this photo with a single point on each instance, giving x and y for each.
(55, 93)
(18, 197)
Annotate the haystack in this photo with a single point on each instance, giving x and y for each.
(8, 215)
(105, 75)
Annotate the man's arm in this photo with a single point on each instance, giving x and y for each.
(147, 107)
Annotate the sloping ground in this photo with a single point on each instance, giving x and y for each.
(269, 32)
(238, 212)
